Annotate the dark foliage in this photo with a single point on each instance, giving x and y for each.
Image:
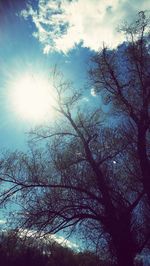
(17, 251)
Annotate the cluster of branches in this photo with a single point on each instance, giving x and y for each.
(90, 176)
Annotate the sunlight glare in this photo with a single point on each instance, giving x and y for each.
(32, 98)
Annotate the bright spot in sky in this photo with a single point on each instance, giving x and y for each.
(93, 92)
(32, 97)
(114, 162)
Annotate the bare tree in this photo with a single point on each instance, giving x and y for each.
(123, 77)
(73, 183)
(90, 176)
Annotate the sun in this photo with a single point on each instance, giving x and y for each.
(32, 97)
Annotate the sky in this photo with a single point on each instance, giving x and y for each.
(36, 35)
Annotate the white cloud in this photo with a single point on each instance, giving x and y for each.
(65, 242)
(45, 238)
(93, 92)
(62, 24)
(46, 49)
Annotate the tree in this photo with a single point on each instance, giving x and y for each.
(17, 249)
(74, 183)
(123, 77)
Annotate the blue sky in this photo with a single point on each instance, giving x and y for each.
(36, 35)
(20, 52)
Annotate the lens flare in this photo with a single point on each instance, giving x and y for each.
(32, 97)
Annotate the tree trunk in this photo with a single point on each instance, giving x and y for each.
(144, 161)
(122, 238)
(124, 258)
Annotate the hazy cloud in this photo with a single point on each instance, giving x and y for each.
(65, 242)
(62, 24)
(45, 238)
